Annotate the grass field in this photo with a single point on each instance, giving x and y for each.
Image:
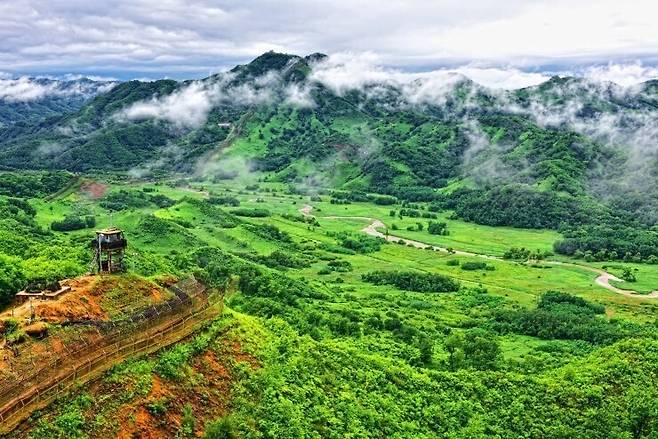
(345, 323)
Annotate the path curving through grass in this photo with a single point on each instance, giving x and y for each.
(603, 279)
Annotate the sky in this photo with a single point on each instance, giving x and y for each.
(506, 42)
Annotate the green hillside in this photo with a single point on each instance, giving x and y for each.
(392, 259)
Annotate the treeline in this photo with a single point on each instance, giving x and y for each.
(31, 254)
(73, 222)
(132, 199)
(592, 231)
(251, 213)
(514, 205)
(357, 196)
(358, 243)
(33, 184)
(603, 242)
(225, 200)
(563, 316)
(524, 254)
(412, 281)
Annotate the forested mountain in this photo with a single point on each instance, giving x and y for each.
(568, 154)
(26, 101)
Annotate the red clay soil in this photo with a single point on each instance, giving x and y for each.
(85, 301)
(93, 189)
(208, 393)
(137, 288)
(80, 303)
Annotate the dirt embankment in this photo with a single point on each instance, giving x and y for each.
(603, 279)
(209, 395)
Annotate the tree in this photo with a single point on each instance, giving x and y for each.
(435, 228)
(426, 347)
(221, 429)
(628, 275)
(11, 279)
(481, 349)
(454, 344)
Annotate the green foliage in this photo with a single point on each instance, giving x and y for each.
(301, 219)
(73, 223)
(124, 199)
(437, 228)
(476, 265)
(412, 281)
(561, 316)
(221, 429)
(279, 259)
(515, 206)
(476, 348)
(359, 243)
(37, 184)
(253, 213)
(610, 242)
(269, 232)
(12, 278)
(188, 422)
(224, 200)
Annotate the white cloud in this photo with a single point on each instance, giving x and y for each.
(349, 71)
(185, 38)
(298, 96)
(504, 78)
(187, 107)
(622, 74)
(25, 89)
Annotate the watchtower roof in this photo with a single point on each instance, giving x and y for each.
(109, 231)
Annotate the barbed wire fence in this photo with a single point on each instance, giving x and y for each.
(103, 345)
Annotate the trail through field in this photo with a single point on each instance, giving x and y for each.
(603, 279)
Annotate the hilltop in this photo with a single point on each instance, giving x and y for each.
(568, 154)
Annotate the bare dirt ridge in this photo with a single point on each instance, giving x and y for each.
(603, 279)
(175, 323)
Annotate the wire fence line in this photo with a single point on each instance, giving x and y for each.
(107, 343)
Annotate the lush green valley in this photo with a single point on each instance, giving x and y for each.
(390, 265)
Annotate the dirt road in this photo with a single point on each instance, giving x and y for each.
(603, 279)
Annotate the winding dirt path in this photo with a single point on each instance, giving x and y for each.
(603, 279)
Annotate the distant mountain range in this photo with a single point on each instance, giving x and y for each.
(31, 100)
(569, 150)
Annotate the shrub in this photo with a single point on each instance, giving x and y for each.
(412, 281)
(253, 213)
(435, 228)
(224, 201)
(474, 265)
(70, 223)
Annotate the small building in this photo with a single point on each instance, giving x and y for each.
(42, 291)
(109, 247)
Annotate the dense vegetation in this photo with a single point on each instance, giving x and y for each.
(410, 281)
(328, 331)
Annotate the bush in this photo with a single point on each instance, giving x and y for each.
(70, 223)
(474, 265)
(340, 266)
(435, 228)
(253, 213)
(359, 243)
(412, 281)
(221, 429)
(224, 201)
(269, 232)
(562, 316)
